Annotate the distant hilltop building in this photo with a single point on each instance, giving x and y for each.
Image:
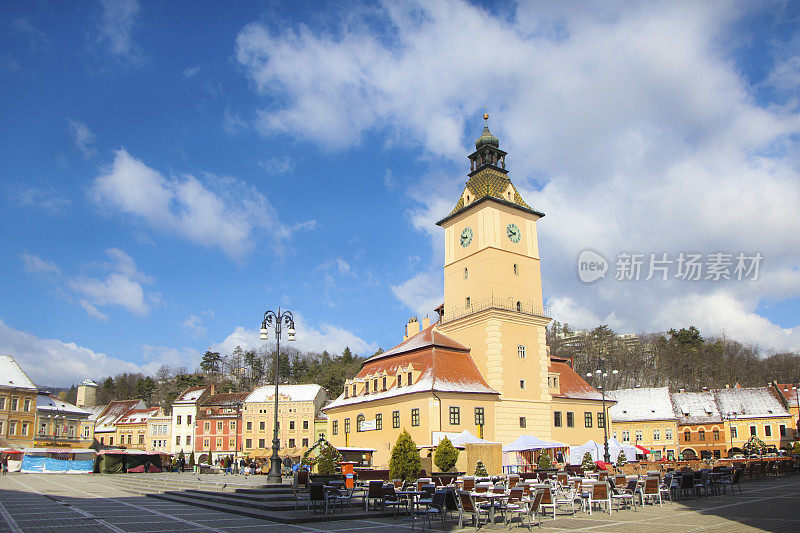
(87, 393)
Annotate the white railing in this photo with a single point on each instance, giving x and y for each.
(506, 304)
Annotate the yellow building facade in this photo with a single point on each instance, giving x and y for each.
(159, 434)
(62, 425)
(131, 429)
(298, 407)
(17, 405)
(645, 417)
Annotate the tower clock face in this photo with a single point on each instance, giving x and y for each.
(513, 233)
(466, 237)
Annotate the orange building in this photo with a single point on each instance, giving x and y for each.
(701, 429)
(219, 426)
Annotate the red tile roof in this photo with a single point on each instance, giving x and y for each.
(424, 339)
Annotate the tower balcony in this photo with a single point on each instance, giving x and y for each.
(493, 302)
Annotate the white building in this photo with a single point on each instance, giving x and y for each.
(184, 416)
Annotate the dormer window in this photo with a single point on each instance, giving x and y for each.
(409, 378)
(399, 380)
(366, 387)
(354, 389)
(384, 382)
(345, 392)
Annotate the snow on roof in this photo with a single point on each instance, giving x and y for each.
(641, 404)
(225, 399)
(45, 402)
(88, 383)
(572, 385)
(12, 375)
(291, 393)
(138, 416)
(191, 395)
(758, 402)
(107, 418)
(696, 408)
(790, 393)
(425, 338)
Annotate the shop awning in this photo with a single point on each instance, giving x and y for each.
(642, 449)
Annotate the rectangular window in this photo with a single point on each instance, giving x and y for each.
(638, 436)
(656, 434)
(521, 351)
(626, 435)
(687, 436)
(522, 422)
(14, 404)
(206, 443)
(395, 419)
(291, 443)
(248, 443)
(378, 421)
(43, 428)
(291, 426)
(384, 383)
(733, 433)
(86, 430)
(188, 440)
(601, 420)
(249, 426)
(141, 439)
(587, 419)
(479, 416)
(466, 302)
(25, 428)
(260, 443)
(767, 431)
(782, 429)
(715, 434)
(305, 424)
(668, 434)
(375, 384)
(206, 426)
(399, 380)
(27, 405)
(354, 389)
(219, 443)
(347, 425)
(455, 416)
(570, 419)
(233, 425)
(305, 443)
(409, 378)
(178, 420)
(177, 440)
(522, 384)
(415, 417)
(219, 426)
(110, 440)
(262, 425)
(2, 402)
(231, 443)
(557, 419)
(188, 420)
(366, 387)
(753, 431)
(335, 427)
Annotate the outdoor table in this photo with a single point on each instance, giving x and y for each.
(411, 497)
(492, 497)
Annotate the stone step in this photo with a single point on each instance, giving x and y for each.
(286, 517)
(235, 500)
(279, 497)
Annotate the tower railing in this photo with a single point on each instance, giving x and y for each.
(493, 302)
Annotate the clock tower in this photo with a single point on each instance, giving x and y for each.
(493, 291)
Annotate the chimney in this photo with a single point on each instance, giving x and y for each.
(426, 323)
(412, 328)
(681, 390)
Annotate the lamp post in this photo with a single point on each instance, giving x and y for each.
(277, 321)
(729, 417)
(601, 374)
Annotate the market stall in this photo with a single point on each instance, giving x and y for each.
(57, 461)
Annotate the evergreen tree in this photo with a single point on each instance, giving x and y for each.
(480, 470)
(545, 462)
(191, 459)
(211, 362)
(588, 462)
(621, 459)
(405, 463)
(446, 455)
(329, 458)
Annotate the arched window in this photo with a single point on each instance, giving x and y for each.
(516, 269)
(359, 420)
(466, 273)
(519, 306)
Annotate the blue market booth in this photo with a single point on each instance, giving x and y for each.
(57, 461)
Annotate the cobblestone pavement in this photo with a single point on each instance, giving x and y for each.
(66, 503)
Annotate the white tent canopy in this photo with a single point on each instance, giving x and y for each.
(528, 442)
(457, 439)
(630, 450)
(597, 451)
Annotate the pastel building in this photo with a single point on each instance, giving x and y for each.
(218, 429)
(132, 427)
(645, 417)
(105, 419)
(17, 405)
(754, 412)
(159, 430)
(184, 419)
(61, 424)
(701, 429)
(298, 408)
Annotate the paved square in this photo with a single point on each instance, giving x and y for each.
(66, 503)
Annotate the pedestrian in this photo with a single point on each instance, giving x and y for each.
(5, 464)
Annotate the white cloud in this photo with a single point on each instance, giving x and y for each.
(194, 324)
(115, 29)
(121, 286)
(190, 72)
(326, 337)
(46, 200)
(220, 212)
(82, 137)
(58, 363)
(632, 127)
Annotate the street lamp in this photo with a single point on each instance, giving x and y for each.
(276, 321)
(602, 375)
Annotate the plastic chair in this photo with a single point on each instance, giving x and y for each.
(467, 506)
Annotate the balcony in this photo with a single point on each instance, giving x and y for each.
(505, 304)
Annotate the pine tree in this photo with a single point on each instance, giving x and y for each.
(405, 463)
(191, 459)
(588, 462)
(480, 470)
(329, 458)
(446, 455)
(621, 459)
(544, 461)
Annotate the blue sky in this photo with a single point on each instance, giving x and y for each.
(172, 170)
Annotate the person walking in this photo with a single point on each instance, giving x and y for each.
(5, 464)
